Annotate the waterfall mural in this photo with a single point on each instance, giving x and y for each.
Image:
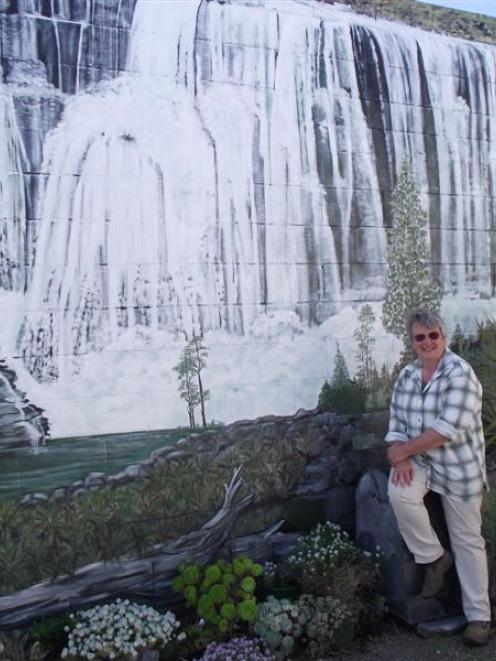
(224, 169)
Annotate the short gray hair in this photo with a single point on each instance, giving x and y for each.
(429, 318)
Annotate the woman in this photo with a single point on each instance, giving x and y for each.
(437, 443)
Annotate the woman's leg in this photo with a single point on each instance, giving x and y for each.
(413, 519)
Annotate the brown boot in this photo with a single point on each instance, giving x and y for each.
(477, 633)
(434, 575)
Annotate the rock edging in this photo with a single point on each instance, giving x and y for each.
(333, 460)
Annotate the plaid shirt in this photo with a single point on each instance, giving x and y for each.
(451, 404)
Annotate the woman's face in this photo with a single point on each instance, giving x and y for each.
(428, 343)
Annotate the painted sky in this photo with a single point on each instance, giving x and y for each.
(487, 7)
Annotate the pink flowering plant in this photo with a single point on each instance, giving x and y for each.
(237, 649)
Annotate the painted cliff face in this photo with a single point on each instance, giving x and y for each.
(222, 169)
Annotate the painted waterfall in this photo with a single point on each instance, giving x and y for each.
(224, 168)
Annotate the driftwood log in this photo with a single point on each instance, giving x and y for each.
(136, 578)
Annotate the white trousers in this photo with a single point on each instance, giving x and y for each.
(464, 521)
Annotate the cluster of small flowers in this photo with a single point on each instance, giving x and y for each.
(237, 649)
(118, 631)
(269, 570)
(322, 550)
(374, 557)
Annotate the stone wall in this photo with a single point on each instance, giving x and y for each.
(327, 443)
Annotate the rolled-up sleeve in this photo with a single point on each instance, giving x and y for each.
(397, 424)
(461, 400)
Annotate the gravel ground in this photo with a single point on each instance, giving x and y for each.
(401, 643)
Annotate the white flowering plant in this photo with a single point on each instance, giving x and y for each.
(120, 630)
(320, 552)
(269, 572)
(277, 574)
(327, 563)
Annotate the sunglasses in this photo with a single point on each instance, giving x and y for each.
(420, 337)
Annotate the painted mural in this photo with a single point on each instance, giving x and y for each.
(205, 168)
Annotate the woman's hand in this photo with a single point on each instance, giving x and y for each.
(402, 473)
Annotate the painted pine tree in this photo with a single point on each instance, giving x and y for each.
(340, 373)
(198, 354)
(188, 390)
(409, 282)
(192, 363)
(342, 395)
(365, 344)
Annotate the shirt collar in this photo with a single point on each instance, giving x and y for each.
(445, 363)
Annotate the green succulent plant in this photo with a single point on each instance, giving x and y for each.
(222, 593)
(330, 624)
(280, 623)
